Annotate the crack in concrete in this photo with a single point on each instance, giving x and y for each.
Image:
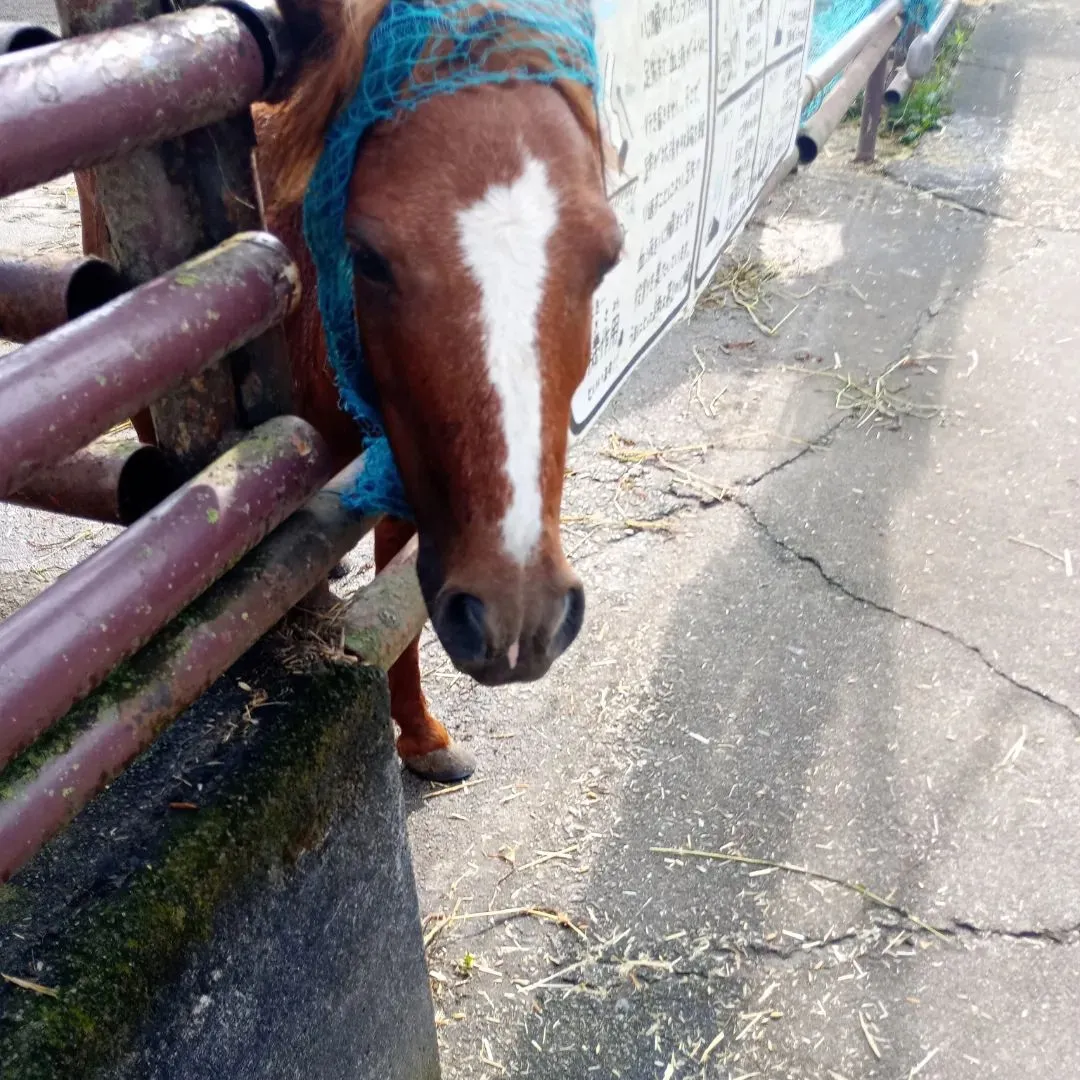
(1066, 935)
(951, 635)
(810, 447)
(955, 200)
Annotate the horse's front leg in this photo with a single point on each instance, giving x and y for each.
(424, 744)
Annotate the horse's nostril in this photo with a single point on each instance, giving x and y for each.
(462, 627)
(573, 617)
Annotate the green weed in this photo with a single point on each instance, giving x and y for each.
(928, 102)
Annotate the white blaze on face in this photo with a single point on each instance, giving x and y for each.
(504, 239)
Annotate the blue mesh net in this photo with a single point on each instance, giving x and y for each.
(834, 18)
(418, 49)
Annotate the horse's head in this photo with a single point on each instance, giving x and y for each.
(480, 231)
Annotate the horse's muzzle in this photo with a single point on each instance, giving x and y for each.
(501, 637)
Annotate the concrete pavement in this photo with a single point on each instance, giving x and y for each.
(864, 662)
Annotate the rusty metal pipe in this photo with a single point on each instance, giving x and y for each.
(14, 36)
(77, 103)
(826, 67)
(63, 643)
(60, 391)
(38, 295)
(814, 133)
(170, 673)
(899, 88)
(388, 613)
(921, 53)
(112, 480)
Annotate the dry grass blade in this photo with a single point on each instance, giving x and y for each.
(555, 975)
(27, 984)
(916, 1069)
(1014, 752)
(875, 1049)
(551, 915)
(1063, 559)
(441, 922)
(455, 788)
(707, 1052)
(595, 521)
(817, 875)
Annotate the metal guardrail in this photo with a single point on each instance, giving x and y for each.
(228, 527)
(862, 62)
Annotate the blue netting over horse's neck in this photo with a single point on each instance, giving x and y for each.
(420, 49)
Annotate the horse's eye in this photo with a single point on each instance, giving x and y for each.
(372, 267)
(605, 268)
(610, 258)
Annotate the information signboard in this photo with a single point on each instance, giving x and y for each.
(700, 102)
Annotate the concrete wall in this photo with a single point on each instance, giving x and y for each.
(272, 932)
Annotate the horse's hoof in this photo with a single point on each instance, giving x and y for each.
(444, 766)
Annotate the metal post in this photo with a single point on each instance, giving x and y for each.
(871, 113)
(160, 205)
(814, 133)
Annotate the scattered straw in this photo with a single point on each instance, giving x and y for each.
(817, 875)
(620, 448)
(310, 639)
(709, 409)
(744, 284)
(626, 450)
(595, 521)
(549, 915)
(875, 400)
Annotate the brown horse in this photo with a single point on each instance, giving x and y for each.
(480, 230)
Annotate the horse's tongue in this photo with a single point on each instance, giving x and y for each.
(512, 655)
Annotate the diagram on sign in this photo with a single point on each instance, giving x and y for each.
(618, 131)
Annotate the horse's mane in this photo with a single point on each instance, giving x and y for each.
(291, 133)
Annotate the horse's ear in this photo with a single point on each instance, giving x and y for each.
(332, 37)
(305, 20)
